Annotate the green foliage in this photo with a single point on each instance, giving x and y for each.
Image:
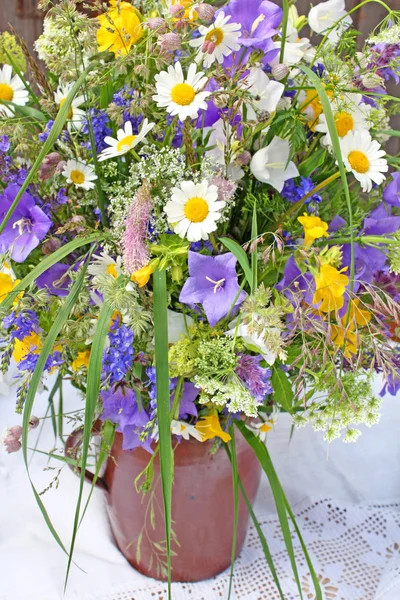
(8, 44)
(347, 44)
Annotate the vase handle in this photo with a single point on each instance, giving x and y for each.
(72, 445)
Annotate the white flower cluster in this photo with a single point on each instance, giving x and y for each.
(230, 393)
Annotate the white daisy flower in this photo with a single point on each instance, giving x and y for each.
(325, 15)
(105, 265)
(261, 429)
(350, 114)
(125, 141)
(217, 41)
(194, 209)
(271, 164)
(12, 89)
(80, 174)
(363, 156)
(185, 430)
(181, 96)
(75, 114)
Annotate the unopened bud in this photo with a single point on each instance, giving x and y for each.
(208, 46)
(283, 104)
(181, 24)
(169, 41)
(206, 12)
(176, 273)
(263, 116)
(371, 80)
(51, 246)
(49, 165)
(221, 100)
(157, 23)
(11, 444)
(177, 11)
(15, 431)
(244, 158)
(33, 422)
(280, 71)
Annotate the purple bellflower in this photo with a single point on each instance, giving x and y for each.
(55, 280)
(213, 283)
(391, 195)
(27, 226)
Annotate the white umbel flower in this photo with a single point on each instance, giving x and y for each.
(350, 114)
(270, 164)
(324, 15)
(80, 174)
(194, 209)
(217, 41)
(180, 96)
(75, 114)
(12, 89)
(125, 141)
(363, 156)
(185, 430)
(104, 264)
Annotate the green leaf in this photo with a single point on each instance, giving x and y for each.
(26, 111)
(163, 404)
(394, 132)
(263, 540)
(285, 17)
(314, 161)
(254, 258)
(280, 501)
(235, 484)
(241, 255)
(47, 146)
(45, 264)
(48, 345)
(283, 391)
(92, 397)
(106, 94)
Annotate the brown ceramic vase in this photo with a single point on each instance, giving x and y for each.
(202, 507)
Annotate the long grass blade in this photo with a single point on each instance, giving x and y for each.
(45, 264)
(254, 261)
(47, 146)
(235, 483)
(163, 404)
(48, 345)
(92, 396)
(241, 255)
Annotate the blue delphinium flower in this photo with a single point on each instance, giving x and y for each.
(100, 127)
(293, 192)
(118, 357)
(45, 134)
(24, 323)
(29, 362)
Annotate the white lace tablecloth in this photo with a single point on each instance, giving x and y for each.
(346, 499)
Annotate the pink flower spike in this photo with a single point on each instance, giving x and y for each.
(135, 252)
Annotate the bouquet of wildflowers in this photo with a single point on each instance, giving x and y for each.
(200, 223)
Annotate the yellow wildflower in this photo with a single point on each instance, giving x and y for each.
(119, 29)
(312, 107)
(210, 427)
(30, 343)
(341, 336)
(142, 276)
(82, 360)
(330, 286)
(314, 228)
(7, 285)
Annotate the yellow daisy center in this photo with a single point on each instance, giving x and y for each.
(358, 161)
(196, 209)
(266, 427)
(183, 94)
(6, 92)
(111, 270)
(126, 141)
(344, 123)
(216, 35)
(70, 112)
(77, 176)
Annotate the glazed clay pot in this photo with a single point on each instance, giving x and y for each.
(202, 508)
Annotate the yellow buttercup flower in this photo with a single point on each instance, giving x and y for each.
(82, 360)
(345, 338)
(30, 343)
(210, 428)
(361, 316)
(142, 276)
(330, 286)
(314, 228)
(7, 285)
(119, 29)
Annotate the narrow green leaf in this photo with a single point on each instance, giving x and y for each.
(106, 93)
(282, 388)
(45, 264)
(241, 255)
(263, 540)
(314, 161)
(92, 397)
(60, 457)
(285, 18)
(235, 484)
(26, 111)
(394, 132)
(48, 345)
(266, 463)
(163, 404)
(47, 146)
(254, 254)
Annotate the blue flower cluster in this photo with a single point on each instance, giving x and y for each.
(29, 362)
(118, 357)
(293, 192)
(124, 99)
(100, 127)
(24, 324)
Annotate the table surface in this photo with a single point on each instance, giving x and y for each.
(32, 567)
